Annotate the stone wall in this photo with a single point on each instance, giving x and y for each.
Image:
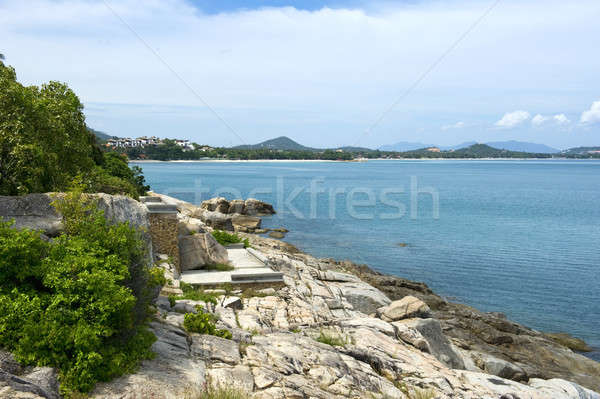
(163, 230)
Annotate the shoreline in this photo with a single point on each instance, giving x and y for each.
(211, 160)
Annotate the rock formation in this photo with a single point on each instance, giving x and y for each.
(337, 330)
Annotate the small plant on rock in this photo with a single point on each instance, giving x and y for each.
(224, 238)
(203, 323)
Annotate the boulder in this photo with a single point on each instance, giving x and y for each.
(499, 367)
(254, 207)
(198, 250)
(32, 211)
(218, 204)
(245, 223)
(405, 308)
(276, 234)
(237, 206)
(187, 228)
(437, 343)
(216, 220)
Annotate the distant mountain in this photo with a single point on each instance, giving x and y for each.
(100, 135)
(522, 146)
(279, 143)
(511, 145)
(403, 146)
(284, 143)
(457, 146)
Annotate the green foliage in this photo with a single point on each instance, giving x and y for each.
(45, 143)
(330, 339)
(196, 294)
(78, 303)
(224, 238)
(172, 300)
(203, 323)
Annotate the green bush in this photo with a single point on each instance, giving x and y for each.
(203, 323)
(224, 238)
(78, 303)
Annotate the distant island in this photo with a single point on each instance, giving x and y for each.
(284, 148)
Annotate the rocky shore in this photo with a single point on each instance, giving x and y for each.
(336, 330)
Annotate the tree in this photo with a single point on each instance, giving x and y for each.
(45, 143)
(43, 138)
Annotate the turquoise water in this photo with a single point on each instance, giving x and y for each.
(520, 237)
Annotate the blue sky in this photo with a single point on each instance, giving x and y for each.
(322, 73)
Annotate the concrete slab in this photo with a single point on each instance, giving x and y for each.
(248, 270)
(240, 258)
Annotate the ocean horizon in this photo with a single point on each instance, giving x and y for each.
(517, 237)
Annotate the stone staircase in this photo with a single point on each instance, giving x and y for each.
(250, 271)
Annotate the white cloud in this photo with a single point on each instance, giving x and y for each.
(513, 119)
(457, 125)
(561, 119)
(539, 120)
(592, 115)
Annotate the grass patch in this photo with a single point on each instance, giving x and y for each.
(219, 267)
(330, 339)
(224, 238)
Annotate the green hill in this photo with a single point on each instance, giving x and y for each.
(284, 143)
(473, 151)
(279, 143)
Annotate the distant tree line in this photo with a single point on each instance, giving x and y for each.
(169, 150)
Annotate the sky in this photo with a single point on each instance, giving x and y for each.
(323, 73)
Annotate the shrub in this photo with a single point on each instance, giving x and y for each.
(224, 238)
(78, 303)
(203, 323)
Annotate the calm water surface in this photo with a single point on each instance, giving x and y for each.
(520, 237)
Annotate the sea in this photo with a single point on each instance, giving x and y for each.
(520, 237)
